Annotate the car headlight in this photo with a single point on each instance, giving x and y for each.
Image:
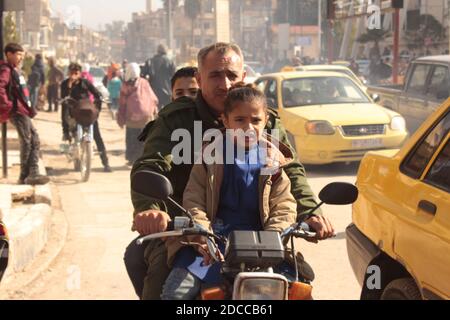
(398, 124)
(319, 128)
(260, 289)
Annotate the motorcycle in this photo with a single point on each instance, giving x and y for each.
(250, 257)
(4, 249)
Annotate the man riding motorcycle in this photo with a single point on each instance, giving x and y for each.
(220, 66)
(78, 89)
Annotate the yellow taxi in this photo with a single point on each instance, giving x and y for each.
(399, 241)
(329, 118)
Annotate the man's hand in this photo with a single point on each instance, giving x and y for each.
(322, 226)
(151, 222)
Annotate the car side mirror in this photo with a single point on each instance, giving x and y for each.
(376, 97)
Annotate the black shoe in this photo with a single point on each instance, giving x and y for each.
(36, 180)
(107, 168)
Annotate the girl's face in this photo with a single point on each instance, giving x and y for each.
(248, 121)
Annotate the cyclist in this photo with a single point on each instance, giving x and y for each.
(78, 88)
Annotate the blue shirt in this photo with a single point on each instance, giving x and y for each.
(239, 195)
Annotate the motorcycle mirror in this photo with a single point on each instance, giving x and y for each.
(339, 193)
(151, 184)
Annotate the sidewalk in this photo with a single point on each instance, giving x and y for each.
(28, 215)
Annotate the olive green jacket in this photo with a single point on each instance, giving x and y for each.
(157, 155)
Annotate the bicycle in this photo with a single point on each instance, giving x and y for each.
(80, 149)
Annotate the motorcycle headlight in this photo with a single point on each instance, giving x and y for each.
(319, 128)
(260, 288)
(398, 124)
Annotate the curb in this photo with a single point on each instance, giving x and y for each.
(14, 285)
(37, 233)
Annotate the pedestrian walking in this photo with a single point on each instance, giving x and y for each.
(138, 106)
(55, 77)
(114, 86)
(36, 79)
(162, 70)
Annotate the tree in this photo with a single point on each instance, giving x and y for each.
(297, 12)
(192, 9)
(175, 3)
(429, 28)
(375, 35)
(9, 29)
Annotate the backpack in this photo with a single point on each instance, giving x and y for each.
(34, 79)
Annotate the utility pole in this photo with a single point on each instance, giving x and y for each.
(4, 125)
(396, 44)
(320, 28)
(170, 25)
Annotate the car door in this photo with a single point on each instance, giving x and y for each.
(438, 89)
(422, 239)
(413, 102)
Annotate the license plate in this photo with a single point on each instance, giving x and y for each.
(367, 143)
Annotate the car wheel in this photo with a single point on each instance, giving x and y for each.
(401, 289)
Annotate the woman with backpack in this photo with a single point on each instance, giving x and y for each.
(138, 106)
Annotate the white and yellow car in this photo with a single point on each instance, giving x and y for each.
(329, 118)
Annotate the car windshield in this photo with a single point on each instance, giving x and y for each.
(321, 90)
(97, 72)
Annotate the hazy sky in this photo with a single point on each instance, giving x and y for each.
(96, 12)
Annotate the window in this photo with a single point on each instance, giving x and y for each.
(418, 79)
(271, 93)
(439, 87)
(261, 85)
(417, 161)
(299, 92)
(439, 174)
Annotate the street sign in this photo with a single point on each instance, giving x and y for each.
(14, 5)
(304, 41)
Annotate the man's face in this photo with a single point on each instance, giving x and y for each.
(15, 58)
(74, 75)
(185, 87)
(217, 74)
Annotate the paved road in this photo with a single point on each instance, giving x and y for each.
(99, 215)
